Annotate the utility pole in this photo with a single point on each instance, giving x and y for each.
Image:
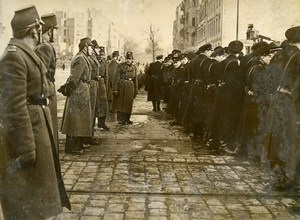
(237, 19)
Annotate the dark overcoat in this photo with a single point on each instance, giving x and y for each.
(46, 53)
(31, 192)
(102, 97)
(77, 117)
(154, 80)
(112, 67)
(283, 119)
(126, 83)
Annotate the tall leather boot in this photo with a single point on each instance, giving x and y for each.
(158, 105)
(154, 106)
(101, 123)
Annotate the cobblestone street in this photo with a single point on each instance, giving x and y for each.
(151, 170)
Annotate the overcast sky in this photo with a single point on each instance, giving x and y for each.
(132, 16)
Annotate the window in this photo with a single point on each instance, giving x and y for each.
(65, 32)
(193, 21)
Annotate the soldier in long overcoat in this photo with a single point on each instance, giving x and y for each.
(194, 114)
(47, 54)
(112, 67)
(232, 96)
(125, 88)
(31, 182)
(282, 125)
(77, 118)
(102, 96)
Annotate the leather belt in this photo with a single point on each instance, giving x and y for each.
(37, 101)
(130, 79)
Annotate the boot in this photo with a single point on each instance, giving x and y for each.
(101, 124)
(154, 106)
(158, 105)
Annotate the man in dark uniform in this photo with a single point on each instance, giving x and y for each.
(195, 110)
(154, 82)
(282, 140)
(31, 185)
(167, 73)
(112, 67)
(77, 119)
(232, 95)
(46, 53)
(125, 89)
(102, 103)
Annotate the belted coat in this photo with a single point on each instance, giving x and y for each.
(126, 84)
(77, 117)
(36, 191)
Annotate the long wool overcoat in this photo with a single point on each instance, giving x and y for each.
(126, 83)
(36, 191)
(77, 117)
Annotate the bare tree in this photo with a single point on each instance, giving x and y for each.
(153, 46)
(130, 45)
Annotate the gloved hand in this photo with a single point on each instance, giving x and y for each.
(115, 92)
(27, 158)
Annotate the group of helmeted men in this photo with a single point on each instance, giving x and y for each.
(240, 105)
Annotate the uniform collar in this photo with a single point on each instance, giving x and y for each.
(20, 44)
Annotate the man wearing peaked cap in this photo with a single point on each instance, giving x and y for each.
(203, 48)
(293, 34)
(235, 46)
(84, 43)
(159, 57)
(47, 54)
(95, 43)
(50, 22)
(175, 51)
(232, 106)
(154, 83)
(102, 107)
(281, 142)
(112, 67)
(125, 89)
(29, 161)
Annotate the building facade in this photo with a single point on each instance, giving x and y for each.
(91, 23)
(220, 21)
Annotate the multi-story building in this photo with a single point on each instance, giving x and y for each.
(74, 26)
(178, 31)
(220, 21)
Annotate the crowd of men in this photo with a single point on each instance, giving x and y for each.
(242, 105)
(31, 185)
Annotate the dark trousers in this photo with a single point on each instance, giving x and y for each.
(123, 117)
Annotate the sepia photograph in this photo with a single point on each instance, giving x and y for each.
(149, 109)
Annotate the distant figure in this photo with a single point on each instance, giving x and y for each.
(63, 66)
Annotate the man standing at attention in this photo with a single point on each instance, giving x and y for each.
(31, 183)
(125, 88)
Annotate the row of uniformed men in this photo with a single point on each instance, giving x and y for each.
(29, 162)
(246, 105)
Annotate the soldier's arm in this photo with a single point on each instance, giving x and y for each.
(14, 113)
(136, 83)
